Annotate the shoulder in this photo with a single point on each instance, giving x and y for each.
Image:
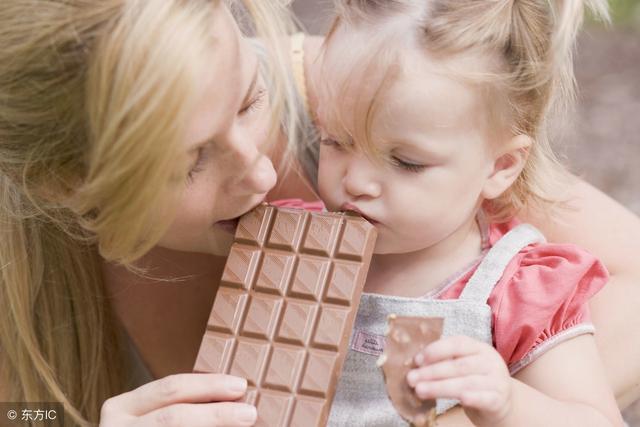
(543, 298)
(542, 265)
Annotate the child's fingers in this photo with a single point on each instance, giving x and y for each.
(452, 388)
(447, 348)
(450, 368)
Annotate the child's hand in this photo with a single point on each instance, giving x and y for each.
(467, 370)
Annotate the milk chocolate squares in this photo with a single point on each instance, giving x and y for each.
(406, 337)
(283, 314)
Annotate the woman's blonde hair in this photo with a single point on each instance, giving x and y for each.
(94, 99)
(533, 43)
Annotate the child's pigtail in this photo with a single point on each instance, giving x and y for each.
(569, 17)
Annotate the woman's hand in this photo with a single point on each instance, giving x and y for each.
(467, 370)
(181, 400)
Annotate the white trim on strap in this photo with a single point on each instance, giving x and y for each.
(549, 343)
(495, 262)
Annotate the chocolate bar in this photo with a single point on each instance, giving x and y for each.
(405, 338)
(283, 313)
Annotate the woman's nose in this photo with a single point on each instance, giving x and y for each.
(251, 171)
(360, 178)
(258, 177)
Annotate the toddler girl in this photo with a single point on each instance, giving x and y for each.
(434, 115)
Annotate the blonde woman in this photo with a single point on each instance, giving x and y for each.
(131, 131)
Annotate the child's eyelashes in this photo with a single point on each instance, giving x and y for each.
(395, 161)
(254, 103)
(408, 166)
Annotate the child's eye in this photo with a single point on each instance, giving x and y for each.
(408, 166)
(329, 142)
(254, 103)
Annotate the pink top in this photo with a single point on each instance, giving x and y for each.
(543, 293)
(541, 299)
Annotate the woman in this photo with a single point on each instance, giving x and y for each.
(130, 133)
(107, 111)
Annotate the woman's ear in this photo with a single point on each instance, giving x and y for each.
(509, 161)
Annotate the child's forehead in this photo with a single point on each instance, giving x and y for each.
(430, 98)
(397, 86)
(368, 50)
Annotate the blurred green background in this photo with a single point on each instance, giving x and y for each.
(626, 13)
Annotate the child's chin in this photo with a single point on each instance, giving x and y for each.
(397, 245)
(384, 247)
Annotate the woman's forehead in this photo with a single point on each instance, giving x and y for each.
(223, 81)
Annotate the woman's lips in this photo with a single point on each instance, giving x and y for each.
(230, 225)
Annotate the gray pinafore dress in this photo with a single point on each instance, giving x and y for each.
(361, 398)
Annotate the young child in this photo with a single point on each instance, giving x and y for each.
(434, 116)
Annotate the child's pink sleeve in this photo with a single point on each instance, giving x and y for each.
(542, 300)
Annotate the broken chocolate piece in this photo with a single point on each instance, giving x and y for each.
(406, 337)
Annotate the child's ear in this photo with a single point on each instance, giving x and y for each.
(507, 166)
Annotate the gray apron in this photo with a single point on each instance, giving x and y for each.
(361, 398)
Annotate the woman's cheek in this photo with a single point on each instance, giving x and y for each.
(219, 243)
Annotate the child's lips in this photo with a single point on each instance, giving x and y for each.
(354, 208)
(371, 220)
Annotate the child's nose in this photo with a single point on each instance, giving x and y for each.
(360, 178)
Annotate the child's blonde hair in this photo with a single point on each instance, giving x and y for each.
(94, 100)
(533, 42)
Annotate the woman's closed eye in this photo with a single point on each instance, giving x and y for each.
(198, 166)
(255, 102)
